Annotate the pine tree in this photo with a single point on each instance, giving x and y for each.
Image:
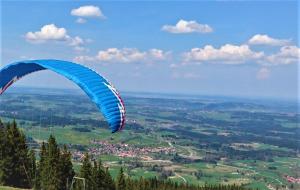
(55, 168)
(32, 168)
(66, 167)
(94, 180)
(100, 176)
(142, 183)
(17, 162)
(3, 153)
(109, 183)
(129, 184)
(41, 169)
(86, 172)
(121, 181)
(51, 173)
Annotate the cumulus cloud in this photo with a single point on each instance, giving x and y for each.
(125, 55)
(76, 41)
(226, 54)
(81, 21)
(46, 33)
(263, 73)
(263, 39)
(286, 55)
(87, 11)
(51, 32)
(184, 26)
(84, 58)
(158, 54)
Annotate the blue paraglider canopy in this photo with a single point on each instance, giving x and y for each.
(99, 90)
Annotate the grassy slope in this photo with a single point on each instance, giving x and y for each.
(9, 188)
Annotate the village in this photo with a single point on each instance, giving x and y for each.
(121, 150)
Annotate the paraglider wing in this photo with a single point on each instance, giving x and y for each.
(99, 90)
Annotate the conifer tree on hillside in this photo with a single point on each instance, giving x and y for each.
(109, 182)
(142, 183)
(66, 167)
(41, 169)
(55, 168)
(52, 173)
(130, 184)
(16, 159)
(100, 176)
(32, 168)
(121, 180)
(3, 152)
(95, 175)
(86, 172)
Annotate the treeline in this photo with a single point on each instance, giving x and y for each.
(17, 163)
(53, 170)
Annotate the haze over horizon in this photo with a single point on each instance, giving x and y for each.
(202, 48)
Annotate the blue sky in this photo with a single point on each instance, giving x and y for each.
(229, 48)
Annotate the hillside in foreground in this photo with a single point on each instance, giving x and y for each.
(10, 188)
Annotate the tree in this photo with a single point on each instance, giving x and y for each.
(121, 181)
(86, 172)
(66, 168)
(55, 168)
(32, 168)
(129, 184)
(16, 159)
(3, 153)
(99, 176)
(41, 169)
(109, 183)
(17, 164)
(50, 173)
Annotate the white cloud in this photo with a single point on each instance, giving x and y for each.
(286, 55)
(80, 49)
(263, 73)
(81, 21)
(263, 39)
(84, 58)
(88, 11)
(125, 55)
(76, 41)
(158, 54)
(226, 54)
(183, 26)
(51, 32)
(186, 75)
(47, 32)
